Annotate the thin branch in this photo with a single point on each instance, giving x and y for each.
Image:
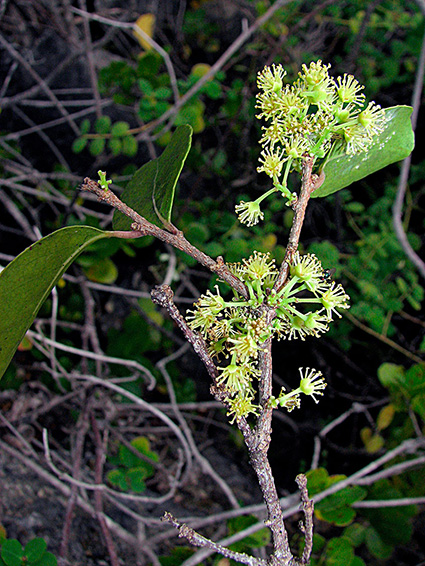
(176, 239)
(309, 183)
(308, 510)
(405, 168)
(383, 339)
(163, 296)
(18, 57)
(92, 355)
(198, 540)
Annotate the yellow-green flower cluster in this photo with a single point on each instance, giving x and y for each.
(317, 117)
(236, 330)
(313, 115)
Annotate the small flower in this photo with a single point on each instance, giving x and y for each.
(334, 298)
(312, 383)
(215, 303)
(259, 266)
(235, 377)
(372, 118)
(296, 146)
(316, 323)
(244, 346)
(201, 319)
(291, 102)
(241, 406)
(289, 401)
(356, 138)
(315, 73)
(348, 90)
(249, 213)
(297, 328)
(272, 135)
(271, 162)
(271, 78)
(308, 269)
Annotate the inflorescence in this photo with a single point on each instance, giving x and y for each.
(237, 329)
(317, 117)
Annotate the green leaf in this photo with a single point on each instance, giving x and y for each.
(118, 479)
(48, 559)
(151, 190)
(26, 282)
(97, 146)
(115, 145)
(395, 143)
(355, 533)
(12, 552)
(35, 549)
(79, 144)
(102, 271)
(339, 551)
(258, 539)
(135, 479)
(129, 146)
(120, 129)
(102, 125)
(85, 126)
(376, 545)
(391, 375)
(336, 508)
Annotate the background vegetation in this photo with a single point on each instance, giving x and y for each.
(82, 89)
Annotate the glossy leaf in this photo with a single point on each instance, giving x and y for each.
(395, 143)
(27, 281)
(150, 192)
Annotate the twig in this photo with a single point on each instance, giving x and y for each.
(203, 462)
(163, 296)
(405, 168)
(92, 355)
(98, 505)
(176, 239)
(308, 510)
(309, 183)
(383, 339)
(18, 57)
(65, 490)
(198, 540)
(231, 50)
(77, 453)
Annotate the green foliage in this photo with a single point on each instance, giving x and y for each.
(336, 508)
(33, 554)
(393, 144)
(116, 136)
(258, 539)
(26, 281)
(131, 470)
(151, 189)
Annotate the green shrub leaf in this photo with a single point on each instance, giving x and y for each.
(79, 144)
(26, 282)
(102, 125)
(97, 146)
(120, 129)
(12, 552)
(35, 549)
(395, 143)
(151, 190)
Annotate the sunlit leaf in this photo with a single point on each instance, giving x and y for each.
(395, 143)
